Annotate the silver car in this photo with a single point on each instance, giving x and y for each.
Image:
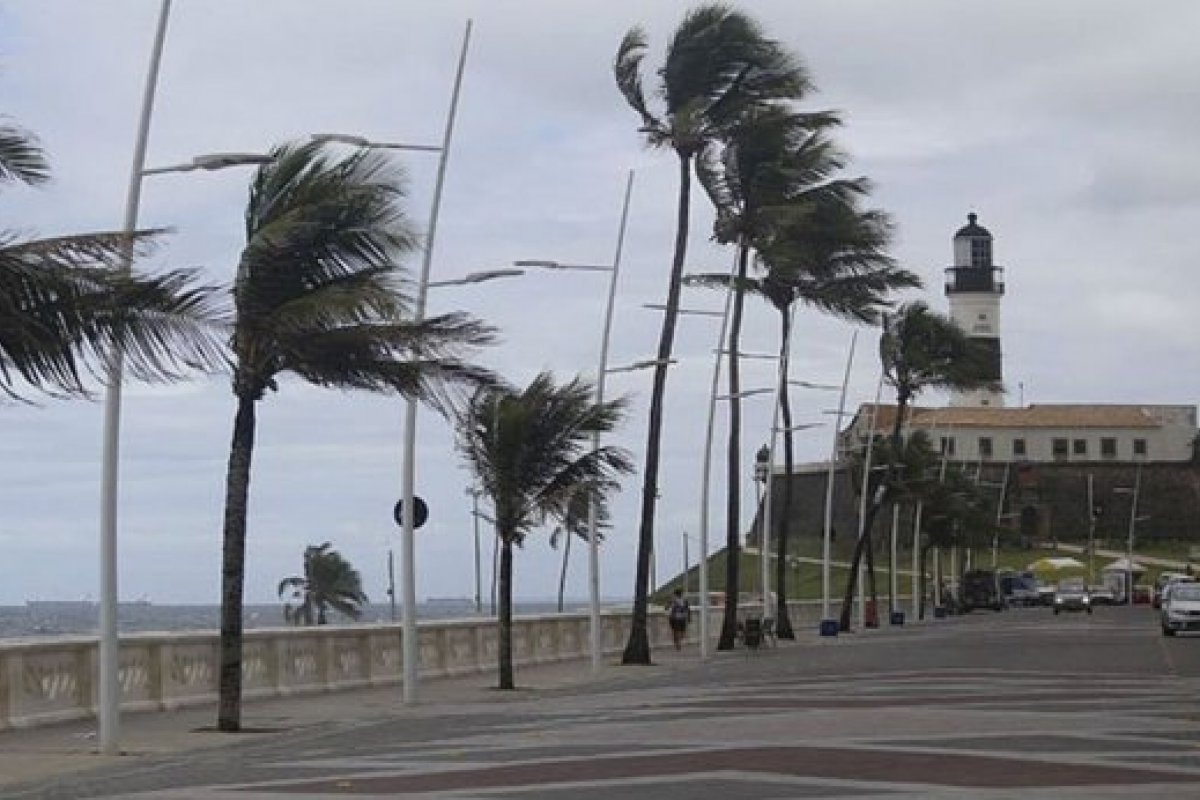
(1180, 608)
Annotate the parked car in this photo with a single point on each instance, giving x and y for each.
(1180, 607)
(1102, 595)
(1019, 590)
(1142, 595)
(1045, 594)
(1164, 580)
(1072, 595)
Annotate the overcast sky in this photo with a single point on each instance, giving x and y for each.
(1070, 127)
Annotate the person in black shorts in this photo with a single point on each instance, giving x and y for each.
(678, 612)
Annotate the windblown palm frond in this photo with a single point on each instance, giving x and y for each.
(64, 306)
(21, 157)
(922, 349)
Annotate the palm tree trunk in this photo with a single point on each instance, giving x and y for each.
(562, 577)
(233, 567)
(733, 464)
(864, 541)
(783, 622)
(504, 634)
(637, 649)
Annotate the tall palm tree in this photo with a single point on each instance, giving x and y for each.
(532, 451)
(67, 302)
(576, 524)
(318, 295)
(919, 349)
(775, 187)
(328, 582)
(718, 66)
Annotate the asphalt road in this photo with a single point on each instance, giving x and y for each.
(1014, 704)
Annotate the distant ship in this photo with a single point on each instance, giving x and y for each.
(449, 602)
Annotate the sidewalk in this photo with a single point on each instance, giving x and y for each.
(45, 752)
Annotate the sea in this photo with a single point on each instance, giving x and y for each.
(42, 618)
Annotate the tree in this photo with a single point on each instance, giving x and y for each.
(919, 349)
(719, 66)
(776, 189)
(318, 295)
(328, 582)
(67, 303)
(533, 453)
(576, 524)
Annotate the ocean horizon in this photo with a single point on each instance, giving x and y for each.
(43, 618)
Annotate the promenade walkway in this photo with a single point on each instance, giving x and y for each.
(1021, 704)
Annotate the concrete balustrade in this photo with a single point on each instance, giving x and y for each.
(52, 680)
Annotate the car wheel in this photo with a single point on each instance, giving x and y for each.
(1056, 612)
(1168, 632)
(1089, 609)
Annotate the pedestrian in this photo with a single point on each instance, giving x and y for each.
(677, 613)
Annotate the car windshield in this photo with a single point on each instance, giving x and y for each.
(1185, 591)
(1071, 586)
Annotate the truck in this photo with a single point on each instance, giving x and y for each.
(980, 589)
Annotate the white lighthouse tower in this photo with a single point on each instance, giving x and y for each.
(974, 287)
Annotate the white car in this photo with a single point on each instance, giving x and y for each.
(1180, 608)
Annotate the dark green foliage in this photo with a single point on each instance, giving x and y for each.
(536, 454)
(328, 582)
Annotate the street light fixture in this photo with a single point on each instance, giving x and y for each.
(361, 141)
(478, 277)
(636, 366)
(542, 263)
(213, 161)
(695, 312)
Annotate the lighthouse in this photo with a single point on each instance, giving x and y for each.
(974, 286)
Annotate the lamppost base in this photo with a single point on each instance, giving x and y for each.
(829, 627)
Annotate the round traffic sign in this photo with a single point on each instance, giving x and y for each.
(420, 512)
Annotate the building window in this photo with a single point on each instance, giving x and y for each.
(1079, 447)
(1108, 448)
(1061, 449)
(985, 447)
(1139, 447)
(947, 445)
(981, 253)
(1018, 448)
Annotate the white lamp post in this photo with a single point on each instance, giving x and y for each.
(1133, 520)
(408, 570)
(108, 661)
(593, 541)
(828, 624)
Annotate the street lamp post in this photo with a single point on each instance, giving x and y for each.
(1133, 520)
(829, 625)
(606, 334)
(408, 571)
(474, 492)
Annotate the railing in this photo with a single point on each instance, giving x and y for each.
(53, 680)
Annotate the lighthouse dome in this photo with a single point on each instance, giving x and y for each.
(972, 230)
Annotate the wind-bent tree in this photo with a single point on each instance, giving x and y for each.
(718, 67)
(532, 451)
(776, 191)
(67, 302)
(328, 582)
(577, 524)
(318, 294)
(919, 349)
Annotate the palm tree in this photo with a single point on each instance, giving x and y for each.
(919, 349)
(775, 189)
(328, 582)
(576, 524)
(719, 66)
(67, 302)
(533, 453)
(318, 295)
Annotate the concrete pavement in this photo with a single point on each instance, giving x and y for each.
(1017, 704)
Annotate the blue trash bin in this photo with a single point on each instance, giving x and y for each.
(829, 627)
(897, 617)
(939, 612)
